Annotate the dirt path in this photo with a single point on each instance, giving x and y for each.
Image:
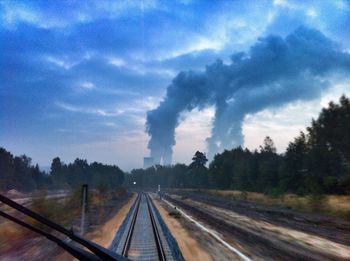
(189, 247)
(105, 234)
(264, 239)
(193, 243)
(334, 229)
(307, 240)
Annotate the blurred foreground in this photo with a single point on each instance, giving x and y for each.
(18, 243)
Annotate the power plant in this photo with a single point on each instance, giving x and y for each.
(148, 162)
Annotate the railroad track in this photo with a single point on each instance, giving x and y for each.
(143, 240)
(269, 247)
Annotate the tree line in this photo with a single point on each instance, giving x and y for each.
(317, 161)
(18, 172)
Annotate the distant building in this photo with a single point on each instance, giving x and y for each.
(147, 162)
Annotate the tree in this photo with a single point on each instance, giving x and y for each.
(56, 166)
(78, 173)
(38, 177)
(7, 171)
(198, 161)
(19, 173)
(332, 131)
(220, 170)
(22, 173)
(268, 146)
(56, 172)
(268, 165)
(198, 173)
(178, 176)
(295, 166)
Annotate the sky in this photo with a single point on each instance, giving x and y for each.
(77, 78)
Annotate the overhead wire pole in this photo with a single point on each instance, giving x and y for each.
(84, 199)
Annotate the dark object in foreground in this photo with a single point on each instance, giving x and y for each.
(98, 252)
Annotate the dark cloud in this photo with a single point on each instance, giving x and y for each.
(275, 71)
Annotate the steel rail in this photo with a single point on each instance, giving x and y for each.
(128, 240)
(160, 249)
(131, 229)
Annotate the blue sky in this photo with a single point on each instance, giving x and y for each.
(78, 77)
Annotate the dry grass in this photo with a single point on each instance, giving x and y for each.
(105, 232)
(334, 205)
(339, 202)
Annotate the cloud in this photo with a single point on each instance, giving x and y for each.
(129, 50)
(274, 72)
(87, 85)
(284, 123)
(58, 14)
(136, 106)
(95, 111)
(66, 64)
(189, 135)
(116, 61)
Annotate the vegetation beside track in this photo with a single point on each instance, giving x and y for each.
(332, 205)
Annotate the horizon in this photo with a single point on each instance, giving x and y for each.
(258, 147)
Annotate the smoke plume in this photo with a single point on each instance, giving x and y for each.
(275, 71)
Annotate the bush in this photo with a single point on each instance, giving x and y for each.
(330, 185)
(117, 193)
(345, 184)
(102, 188)
(244, 195)
(317, 202)
(59, 212)
(275, 192)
